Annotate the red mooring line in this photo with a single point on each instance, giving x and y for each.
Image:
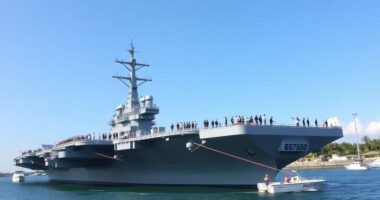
(107, 156)
(233, 156)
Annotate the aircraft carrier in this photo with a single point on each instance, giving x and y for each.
(136, 151)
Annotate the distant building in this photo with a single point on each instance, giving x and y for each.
(336, 157)
(371, 154)
(352, 157)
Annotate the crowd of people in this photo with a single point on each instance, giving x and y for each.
(306, 122)
(101, 136)
(214, 123)
(110, 136)
(260, 120)
(76, 138)
(184, 126)
(31, 151)
(257, 120)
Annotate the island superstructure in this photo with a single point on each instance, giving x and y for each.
(135, 151)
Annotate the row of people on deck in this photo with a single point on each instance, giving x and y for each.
(213, 123)
(31, 151)
(76, 138)
(257, 120)
(110, 136)
(306, 122)
(101, 136)
(184, 126)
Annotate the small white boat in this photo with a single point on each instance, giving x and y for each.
(375, 163)
(18, 177)
(296, 184)
(356, 165)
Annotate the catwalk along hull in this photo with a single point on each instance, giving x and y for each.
(167, 161)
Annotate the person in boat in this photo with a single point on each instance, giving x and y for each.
(266, 179)
(286, 179)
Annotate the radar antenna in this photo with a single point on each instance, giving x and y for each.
(132, 81)
(132, 50)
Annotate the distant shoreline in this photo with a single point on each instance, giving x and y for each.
(317, 164)
(5, 174)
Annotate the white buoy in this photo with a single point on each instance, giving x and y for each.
(189, 145)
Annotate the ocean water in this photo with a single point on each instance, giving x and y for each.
(341, 184)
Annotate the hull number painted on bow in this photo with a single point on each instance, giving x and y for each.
(294, 147)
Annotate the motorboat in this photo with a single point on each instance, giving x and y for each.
(18, 177)
(375, 163)
(356, 165)
(295, 184)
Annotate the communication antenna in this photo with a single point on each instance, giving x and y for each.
(132, 81)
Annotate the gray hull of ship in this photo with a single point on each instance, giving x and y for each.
(167, 161)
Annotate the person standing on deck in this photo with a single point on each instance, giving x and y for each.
(271, 121)
(303, 122)
(316, 122)
(265, 120)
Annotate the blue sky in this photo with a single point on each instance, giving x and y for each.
(208, 59)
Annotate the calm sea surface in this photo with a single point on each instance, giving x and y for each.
(341, 184)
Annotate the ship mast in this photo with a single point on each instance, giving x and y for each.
(132, 81)
(355, 115)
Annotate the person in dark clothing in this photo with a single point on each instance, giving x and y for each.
(250, 120)
(316, 122)
(212, 123)
(265, 120)
(216, 123)
(271, 121)
(266, 179)
(225, 121)
(308, 122)
(326, 123)
(260, 120)
(303, 122)
(232, 120)
(297, 121)
(172, 126)
(256, 119)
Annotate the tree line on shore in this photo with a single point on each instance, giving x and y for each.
(346, 148)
